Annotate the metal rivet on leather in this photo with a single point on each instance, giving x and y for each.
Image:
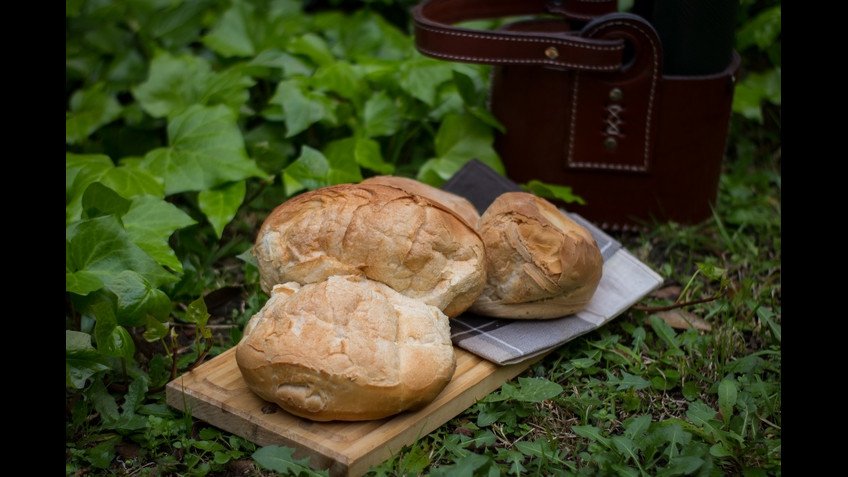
(551, 52)
(610, 143)
(616, 94)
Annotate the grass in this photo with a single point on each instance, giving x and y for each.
(638, 397)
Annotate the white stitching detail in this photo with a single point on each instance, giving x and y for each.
(644, 166)
(487, 59)
(483, 36)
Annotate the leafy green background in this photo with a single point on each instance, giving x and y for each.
(188, 120)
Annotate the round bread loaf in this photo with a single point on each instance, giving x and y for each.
(540, 263)
(412, 244)
(460, 205)
(347, 348)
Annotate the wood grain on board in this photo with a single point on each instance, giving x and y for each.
(215, 392)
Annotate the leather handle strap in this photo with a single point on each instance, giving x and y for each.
(435, 36)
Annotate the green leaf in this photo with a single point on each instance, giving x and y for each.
(300, 108)
(130, 181)
(231, 35)
(367, 154)
(81, 359)
(149, 224)
(154, 329)
(313, 47)
(421, 77)
(90, 109)
(727, 394)
(720, 450)
(273, 58)
(381, 116)
(102, 248)
(553, 191)
(753, 90)
(206, 150)
(103, 402)
(82, 282)
(177, 82)
(138, 300)
(112, 339)
(280, 459)
(314, 170)
(626, 447)
(682, 465)
(699, 413)
(591, 433)
(666, 334)
(675, 436)
(135, 396)
(761, 30)
(637, 426)
(341, 78)
(100, 200)
(464, 466)
(196, 313)
(627, 381)
(460, 138)
(221, 204)
(536, 390)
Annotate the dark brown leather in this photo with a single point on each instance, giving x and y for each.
(434, 36)
(669, 132)
(582, 9)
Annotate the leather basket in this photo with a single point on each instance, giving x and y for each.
(585, 103)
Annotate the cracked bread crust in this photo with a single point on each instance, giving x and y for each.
(415, 245)
(540, 263)
(347, 348)
(458, 204)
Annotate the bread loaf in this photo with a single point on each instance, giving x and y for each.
(412, 244)
(346, 348)
(539, 263)
(458, 204)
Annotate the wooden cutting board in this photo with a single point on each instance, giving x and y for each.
(216, 393)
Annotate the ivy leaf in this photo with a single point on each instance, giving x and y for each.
(231, 34)
(206, 150)
(553, 191)
(103, 249)
(150, 222)
(313, 47)
(381, 116)
(339, 77)
(273, 58)
(460, 138)
(154, 330)
(753, 90)
(197, 313)
(138, 300)
(90, 109)
(280, 459)
(298, 107)
(221, 204)
(82, 170)
(367, 154)
(100, 200)
(178, 82)
(81, 359)
(313, 169)
(82, 282)
(421, 77)
(112, 339)
(761, 30)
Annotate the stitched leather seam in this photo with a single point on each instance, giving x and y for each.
(552, 41)
(539, 61)
(644, 166)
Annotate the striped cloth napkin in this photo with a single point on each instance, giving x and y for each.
(625, 281)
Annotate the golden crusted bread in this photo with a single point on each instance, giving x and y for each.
(540, 263)
(346, 348)
(412, 244)
(460, 205)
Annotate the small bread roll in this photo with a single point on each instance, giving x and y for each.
(540, 263)
(460, 205)
(347, 348)
(412, 244)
